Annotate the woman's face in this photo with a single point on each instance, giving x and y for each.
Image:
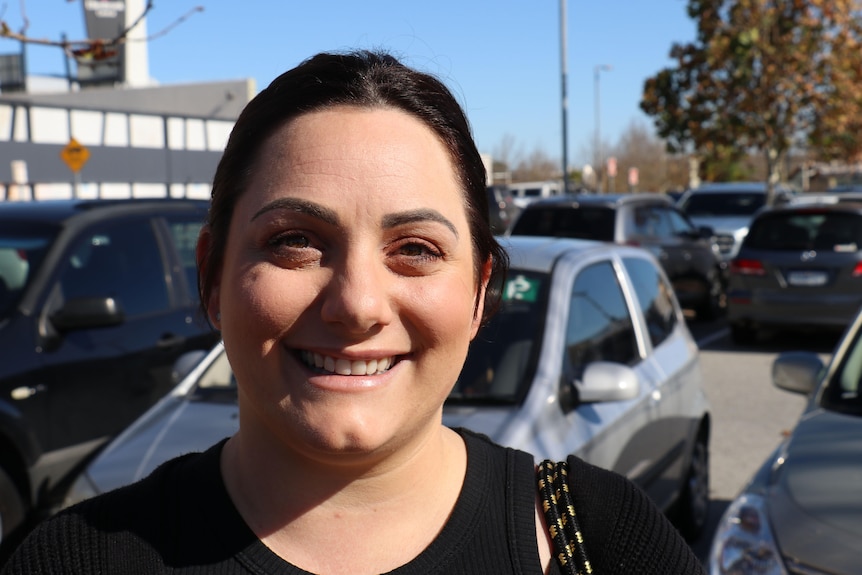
(348, 291)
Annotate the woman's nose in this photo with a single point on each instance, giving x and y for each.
(358, 296)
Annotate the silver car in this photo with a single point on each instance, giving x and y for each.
(801, 513)
(589, 354)
(799, 267)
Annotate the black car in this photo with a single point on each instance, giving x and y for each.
(687, 253)
(98, 299)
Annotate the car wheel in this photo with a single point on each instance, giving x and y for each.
(692, 508)
(12, 511)
(742, 334)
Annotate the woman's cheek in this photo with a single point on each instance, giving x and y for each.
(270, 299)
(446, 307)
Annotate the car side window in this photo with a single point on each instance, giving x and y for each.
(679, 223)
(121, 260)
(184, 233)
(652, 222)
(655, 296)
(599, 326)
(662, 228)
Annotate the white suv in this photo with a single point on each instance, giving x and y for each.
(589, 354)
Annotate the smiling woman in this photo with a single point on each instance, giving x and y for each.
(347, 260)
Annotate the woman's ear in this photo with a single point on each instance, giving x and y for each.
(479, 310)
(202, 251)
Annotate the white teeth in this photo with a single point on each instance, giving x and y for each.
(342, 366)
(345, 366)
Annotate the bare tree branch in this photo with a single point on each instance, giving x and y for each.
(91, 48)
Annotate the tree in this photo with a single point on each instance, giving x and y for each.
(762, 75)
(638, 148)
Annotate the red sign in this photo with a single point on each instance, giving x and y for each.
(612, 167)
(633, 176)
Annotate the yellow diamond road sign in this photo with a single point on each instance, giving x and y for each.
(75, 155)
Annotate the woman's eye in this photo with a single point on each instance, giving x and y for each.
(418, 250)
(296, 241)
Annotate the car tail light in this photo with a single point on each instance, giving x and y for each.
(857, 271)
(746, 267)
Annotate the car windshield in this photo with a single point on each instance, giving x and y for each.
(585, 222)
(501, 359)
(806, 230)
(706, 204)
(843, 391)
(21, 254)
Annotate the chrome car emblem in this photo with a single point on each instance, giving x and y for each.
(809, 255)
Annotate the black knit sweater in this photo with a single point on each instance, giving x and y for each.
(180, 519)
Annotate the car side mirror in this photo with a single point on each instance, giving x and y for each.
(797, 371)
(607, 381)
(87, 313)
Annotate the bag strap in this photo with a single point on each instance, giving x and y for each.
(559, 510)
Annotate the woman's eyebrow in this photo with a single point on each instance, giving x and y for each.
(421, 215)
(301, 206)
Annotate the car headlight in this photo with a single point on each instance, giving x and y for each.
(743, 543)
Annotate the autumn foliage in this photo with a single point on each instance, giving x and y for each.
(765, 76)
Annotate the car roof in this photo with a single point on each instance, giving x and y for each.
(58, 211)
(737, 188)
(819, 205)
(540, 253)
(731, 187)
(824, 198)
(607, 200)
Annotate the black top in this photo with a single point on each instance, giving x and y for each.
(180, 519)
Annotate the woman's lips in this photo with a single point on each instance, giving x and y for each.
(342, 366)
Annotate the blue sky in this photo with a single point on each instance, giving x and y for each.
(502, 58)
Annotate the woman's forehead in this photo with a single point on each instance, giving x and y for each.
(381, 153)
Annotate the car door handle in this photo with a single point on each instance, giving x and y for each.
(170, 340)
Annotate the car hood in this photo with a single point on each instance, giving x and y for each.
(816, 502)
(177, 427)
(722, 224)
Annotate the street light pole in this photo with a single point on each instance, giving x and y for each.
(598, 145)
(564, 96)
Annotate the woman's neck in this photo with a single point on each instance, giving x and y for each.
(392, 506)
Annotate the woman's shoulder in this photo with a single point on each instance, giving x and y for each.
(622, 527)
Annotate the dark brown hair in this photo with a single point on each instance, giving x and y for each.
(365, 79)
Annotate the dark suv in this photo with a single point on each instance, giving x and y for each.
(687, 253)
(799, 267)
(98, 299)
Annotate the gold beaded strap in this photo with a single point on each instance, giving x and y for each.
(569, 549)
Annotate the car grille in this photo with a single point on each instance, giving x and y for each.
(725, 243)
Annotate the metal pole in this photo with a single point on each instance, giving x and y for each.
(598, 145)
(565, 100)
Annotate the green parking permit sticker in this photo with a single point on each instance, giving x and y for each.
(521, 289)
